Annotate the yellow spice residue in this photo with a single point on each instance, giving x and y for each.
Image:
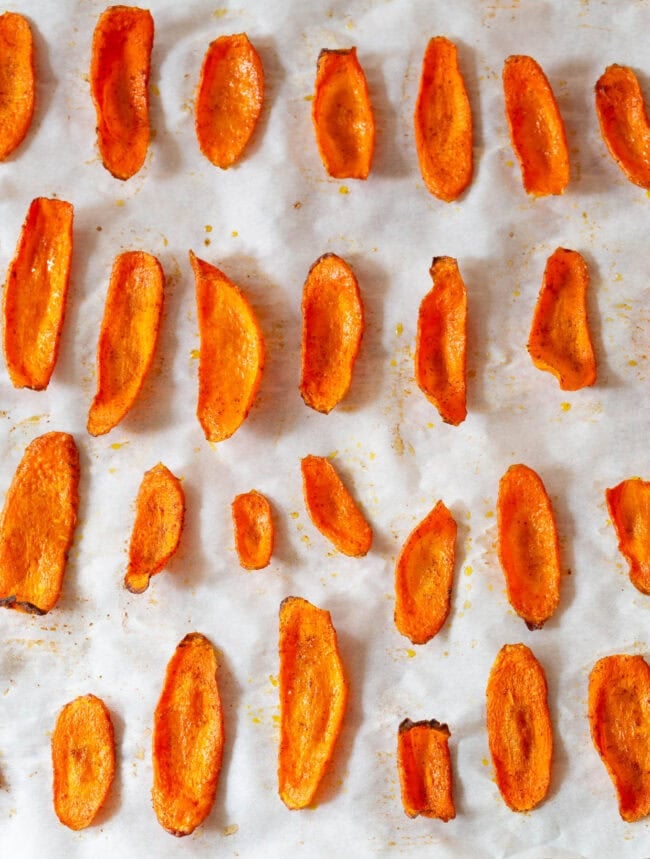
(119, 202)
(399, 329)
(195, 354)
(208, 228)
(510, 163)
(565, 407)
(273, 679)
(118, 444)
(489, 514)
(631, 363)
(294, 514)
(485, 762)
(468, 571)
(309, 98)
(410, 653)
(344, 189)
(230, 830)
(234, 234)
(618, 277)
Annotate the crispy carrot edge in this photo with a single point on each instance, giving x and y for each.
(424, 768)
(17, 81)
(629, 509)
(254, 531)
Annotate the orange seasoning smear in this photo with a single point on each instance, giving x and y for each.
(424, 767)
(254, 532)
(17, 81)
(629, 507)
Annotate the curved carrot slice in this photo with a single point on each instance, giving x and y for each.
(424, 576)
(332, 509)
(128, 337)
(441, 346)
(83, 760)
(519, 727)
(36, 292)
(559, 338)
(17, 81)
(424, 766)
(229, 99)
(536, 127)
(313, 696)
(629, 507)
(443, 122)
(119, 83)
(232, 352)
(332, 328)
(188, 738)
(251, 516)
(342, 115)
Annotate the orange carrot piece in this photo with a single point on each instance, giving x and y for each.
(629, 508)
(253, 523)
(342, 115)
(313, 696)
(119, 83)
(17, 81)
(83, 760)
(128, 337)
(37, 523)
(36, 292)
(332, 328)
(424, 767)
(229, 99)
(536, 127)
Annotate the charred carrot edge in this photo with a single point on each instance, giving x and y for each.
(313, 696)
(229, 99)
(83, 760)
(441, 345)
(424, 767)
(629, 508)
(519, 727)
(36, 292)
(254, 532)
(332, 328)
(188, 738)
(342, 115)
(17, 81)
(119, 84)
(536, 127)
(37, 523)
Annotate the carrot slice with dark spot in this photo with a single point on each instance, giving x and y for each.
(253, 522)
(629, 507)
(424, 767)
(17, 81)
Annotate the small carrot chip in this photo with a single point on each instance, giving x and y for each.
(83, 760)
(36, 292)
(332, 328)
(229, 99)
(188, 738)
(441, 346)
(519, 727)
(443, 123)
(332, 509)
(37, 523)
(629, 507)
(17, 81)
(313, 696)
(231, 357)
(251, 516)
(424, 766)
(119, 84)
(128, 337)
(342, 115)
(536, 127)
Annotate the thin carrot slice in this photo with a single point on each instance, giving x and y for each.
(629, 507)
(313, 696)
(232, 352)
(36, 292)
(253, 522)
(443, 123)
(441, 346)
(83, 760)
(119, 83)
(342, 115)
(424, 767)
(188, 737)
(128, 337)
(559, 338)
(17, 81)
(536, 127)
(519, 727)
(229, 99)
(332, 509)
(332, 328)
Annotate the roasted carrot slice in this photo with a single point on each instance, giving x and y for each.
(629, 507)
(559, 338)
(251, 516)
(313, 696)
(424, 767)
(332, 509)
(128, 337)
(17, 81)
(342, 115)
(83, 760)
(441, 346)
(231, 357)
(188, 737)
(332, 328)
(519, 727)
(119, 83)
(443, 122)
(229, 99)
(536, 127)
(35, 293)
(38, 522)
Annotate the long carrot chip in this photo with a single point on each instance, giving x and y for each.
(119, 83)
(128, 337)
(37, 523)
(332, 328)
(17, 81)
(342, 115)
(629, 507)
(536, 127)
(36, 292)
(424, 767)
(188, 737)
(83, 760)
(519, 727)
(313, 696)
(253, 523)
(229, 99)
